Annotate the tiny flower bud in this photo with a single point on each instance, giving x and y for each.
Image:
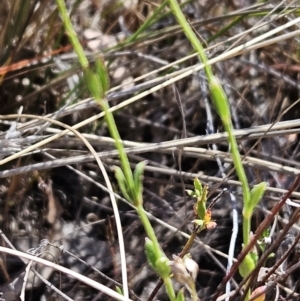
(185, 269)
(191, 266)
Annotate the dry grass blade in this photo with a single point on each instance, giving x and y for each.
(78, 276)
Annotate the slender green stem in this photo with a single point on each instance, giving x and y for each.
(98, 82)
(108, 115)
(191, 36)
(226, 28)
(72, 34)
(221, 105)
(148, 227)
(151, 234)
(227, 118)
(242, 177)
(113, 130)
(221, 101)
(169, 288)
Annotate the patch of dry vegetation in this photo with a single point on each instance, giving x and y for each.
(161, 104)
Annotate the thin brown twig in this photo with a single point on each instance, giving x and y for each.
(287, 253)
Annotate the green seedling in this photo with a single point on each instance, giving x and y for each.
(133, 194)
(200, 193)
(130, 183)
(256, 195)
(201, 211)
(222, 107)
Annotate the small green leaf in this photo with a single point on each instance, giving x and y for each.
(150, 252)
(122, 182)
(102, 73)
(204, 194)
(246, 266)
(190, 192)
(201, 204)
(198, 194)
(119, 290)
(93, 83)
(198, 186)
(257, 193)
(220, 101)
(201, 210)
(162, 267)
(138, 181)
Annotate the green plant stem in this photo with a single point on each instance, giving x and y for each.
(169, 288)
(115, 135)
(113, 130)
(226, 28)
(72, 34)
(184, 251)
(159, 253)
(189, 243)
(243, 179)
(227, 119)
(148, 228)
(222, 107)
(104, 105)
(191, 36)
